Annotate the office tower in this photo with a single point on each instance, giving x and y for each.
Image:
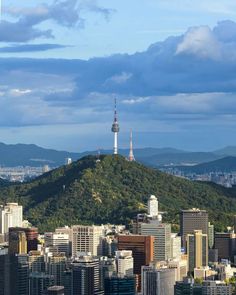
(87, 239)
(36, 262)
(11, 215)
(216, 288)
(17, 242)
(142, 248)
(131, 152)
(191, 220)
(158, 281)
(56, 290)
(162, 239)
(19, 275)
(197, 250)
(56, 267)
(67, 281)
(115, 129)
(116, 285)
(4, 274)
(226, 245)
(125, 263)
(213, 255)
(153, 206)
(57, 242)
(31, 236)
(86, 276)
(184, 287)
(180, 266)
(210, 235)
(39, 283)
(175, 246)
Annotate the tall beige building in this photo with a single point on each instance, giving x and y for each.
(162, 239)
(11, 215)
(197, 250)
(87, 239)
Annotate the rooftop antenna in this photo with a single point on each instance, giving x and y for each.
(131, 152)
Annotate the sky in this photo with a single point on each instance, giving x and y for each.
(170, 64)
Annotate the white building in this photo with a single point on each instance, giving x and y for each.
(162, 239)
(175, 246)
(153, 206)
(125, 263)
(11, 215)
(57, 242)
(87, 239)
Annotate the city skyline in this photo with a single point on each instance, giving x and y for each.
(172, 72)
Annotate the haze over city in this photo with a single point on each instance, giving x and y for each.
(170, 64)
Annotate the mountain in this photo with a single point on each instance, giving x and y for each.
(182, 158)
(227, 151)
(227, 164)
(32, 155)
(113, 190)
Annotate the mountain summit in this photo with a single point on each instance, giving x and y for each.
(112, 189)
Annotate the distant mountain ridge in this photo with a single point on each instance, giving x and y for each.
(226, 164)
(33, 155)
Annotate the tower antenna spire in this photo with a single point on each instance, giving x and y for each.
(115, 129)
(131, 152)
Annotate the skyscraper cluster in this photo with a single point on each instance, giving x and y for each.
(146, 259)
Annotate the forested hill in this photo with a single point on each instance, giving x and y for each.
(113, 190)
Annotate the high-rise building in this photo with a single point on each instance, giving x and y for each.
(67, 282)
(162, 239)
(36, 262)
(56, 267)
(17, 242)
(4, 274)
(39, 283)
(226, 245)
(216, 288)
(175, 246)
(125, 263)
(211, 235)
(87, 239)
(142, 248)
(11, 215)
(86, 274)
(116, 285)
(57, 242)
(158, 281)
(187, 287)
(115, 129)
(31, 236)
(191, 220)
(19, 275)
(197, 250)
(153, 206)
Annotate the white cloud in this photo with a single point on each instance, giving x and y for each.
(201, 42)
(135, 100)
(120, 79)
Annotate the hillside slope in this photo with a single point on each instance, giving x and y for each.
(113, 190)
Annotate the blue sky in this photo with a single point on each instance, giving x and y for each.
(170, 64)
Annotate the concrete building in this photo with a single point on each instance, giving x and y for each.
(87, 239)
(157, 281)
(36, 262)
(175, 246)
(216, 288)
(116, 285)
(191, 220)
(11, 215)
(197, 250)
(57, 242)
(56, 267)
(153, 207)
(125, 263)
(226, 245)
(86, 276)
(162, 239)
(17, 242)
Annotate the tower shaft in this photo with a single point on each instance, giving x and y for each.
(115, 129)
(131, 152)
